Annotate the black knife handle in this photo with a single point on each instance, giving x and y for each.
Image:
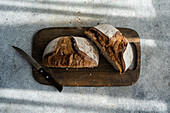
(50, 79)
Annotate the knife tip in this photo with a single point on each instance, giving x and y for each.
(14, 46)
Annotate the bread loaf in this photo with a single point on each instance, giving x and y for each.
(72, 52)
(113, 45)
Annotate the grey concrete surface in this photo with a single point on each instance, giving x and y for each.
(20, 19)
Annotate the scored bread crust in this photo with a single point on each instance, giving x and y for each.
(87, 47)
(82, 53)
(106, 30)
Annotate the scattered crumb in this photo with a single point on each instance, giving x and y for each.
(79, 18)
(77, 69)
(112, 105)
(89, 19)
(79, 12)
(90, 74)
(66, 68)
(94, 80)
(98, 23)
(70, 22)
(6, 18)
(84, 1)
(80, 92)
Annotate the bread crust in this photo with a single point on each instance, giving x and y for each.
(113, 45)
(72, 52)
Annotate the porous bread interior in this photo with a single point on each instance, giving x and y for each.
(104, 53)
(109, 31)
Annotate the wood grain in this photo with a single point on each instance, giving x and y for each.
(104, 75)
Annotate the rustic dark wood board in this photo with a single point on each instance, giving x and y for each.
(104, 75)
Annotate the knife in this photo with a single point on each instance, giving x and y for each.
(40, 69)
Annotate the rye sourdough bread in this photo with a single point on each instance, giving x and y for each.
(72, 52)
(113, 45)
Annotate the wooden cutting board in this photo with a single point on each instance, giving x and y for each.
(103, 75)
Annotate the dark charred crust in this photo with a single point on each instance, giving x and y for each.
(74, 45)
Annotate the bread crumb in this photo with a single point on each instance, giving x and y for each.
(112, 105)
(98, 23)
(84, 1)
(80, 92)
(79, 12)
(94, 80)
(6, 18)
(66, 68)
(89, 19)
(90, 74)
(77, 69)
(70, 22)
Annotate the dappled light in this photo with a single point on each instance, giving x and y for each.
(87, 102)
(148, 42)
(20, 19)
(92, 10)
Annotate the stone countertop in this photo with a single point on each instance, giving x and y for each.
(20, 19)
